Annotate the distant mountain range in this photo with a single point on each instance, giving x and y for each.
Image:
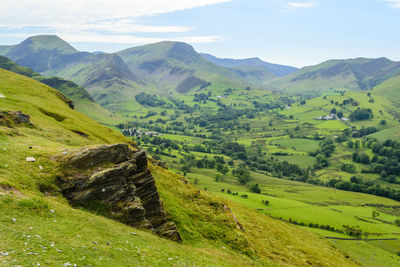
(275, 69)
(105, 76)
(176, 68)
(352, 74)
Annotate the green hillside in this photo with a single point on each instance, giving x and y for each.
(82, 101)
(353, 74)
(389, 89)
(29, 200)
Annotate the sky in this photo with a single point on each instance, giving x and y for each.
(291, 32)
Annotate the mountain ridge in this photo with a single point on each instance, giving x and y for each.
(342, 74)
(276, 69)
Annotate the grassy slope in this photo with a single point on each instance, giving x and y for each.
(81, 98)
(76, 236)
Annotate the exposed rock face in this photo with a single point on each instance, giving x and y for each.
(13, 118)
(126, 187)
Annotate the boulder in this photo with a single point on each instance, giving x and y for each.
(30, 159)
(14, 118)
(117, 177)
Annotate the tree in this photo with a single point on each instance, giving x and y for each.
(350, 144)
(350, 168)
(357, 144)
(243, 175)
(254, 188)
(361, 114)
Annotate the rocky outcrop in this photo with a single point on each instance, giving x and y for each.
(117, 176)
(14, 118)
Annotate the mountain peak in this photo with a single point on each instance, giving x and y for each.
(183, 52)
(49, 42)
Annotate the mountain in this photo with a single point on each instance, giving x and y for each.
(177, 67)
(46, 147)
(352, 74)
(82, 101)
(276, 69)
(105, 76)
(42, 52)
(100, 74)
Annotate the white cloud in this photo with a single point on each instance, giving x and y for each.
(96, 20)
(114, 26)
(293, 5)
(394, 3)
(37, 12)
(121, 39)
(302, 4)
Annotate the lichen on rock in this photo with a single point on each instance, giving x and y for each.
(14, 118)
(117, 176)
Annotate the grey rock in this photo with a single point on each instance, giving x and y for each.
(126, 187)
(14, 118)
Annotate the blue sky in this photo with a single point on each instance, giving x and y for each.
(294, 32)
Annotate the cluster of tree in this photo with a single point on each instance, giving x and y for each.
(365, 131)
(149, 100)
(386, 160)
(361, 158)
(159, 141)
(226, 118)
(339, 113)
(356, 184)
(242, 174)
(361, 114)
(314, 225)
(180, 104)
(350, 168)
(347, 101)
(149, 114)
(202, 97)
(325, 150)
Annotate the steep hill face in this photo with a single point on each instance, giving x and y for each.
(390, 89)
(172, 66)
(81, 99)
(275, 69)
(42, 146)
(105, 76)
(352, 74)
(98, 73)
